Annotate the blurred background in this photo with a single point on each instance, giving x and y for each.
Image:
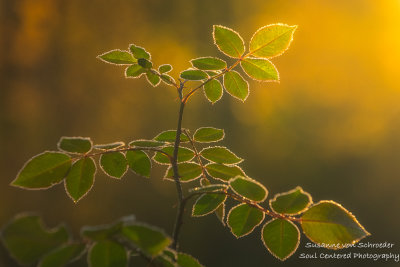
(332, 125)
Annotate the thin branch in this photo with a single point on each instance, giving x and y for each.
(197, 154)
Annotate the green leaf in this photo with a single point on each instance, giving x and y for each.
(139, 52)
(149, 240)
(169, 136)
(207, 203)
(165, 68)
(186, 260)
(43, 171)
(114, 164)
(153, 78)
(146, 143)
(27, 240)
(117, 57)
(139, 162)
(208, 135)
(167, 79)
(213, 90)
(63, 255)
(248, 188)
(281, 238)
(208, 63)
(260, 69)
(329, 223)
(184, 154)
(80, 178)
(209, 188)
(188, 171)
(78, 145)
(134, 71)
(242, 219)
(212, 73)
(193, 75)
(163, 261)
(271, 40)
(220, 213)
(144, 63)
(292, 202)
(107, 253)
(101, 232)
(228, 41)
(223, 172)
(235, 85)
(220, 154)
(109, 146)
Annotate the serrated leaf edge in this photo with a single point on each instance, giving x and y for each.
(29, 160)
(159, 79)
(221, 26)
(297, 244)
(204, 214)
(294, 27)
(109, 175)
(129, 50)
(190, 69)
(169, 142)
(186, 181)
(248, 75)
(248, 87)
(253, 181)
(345, 210)
(208, 127)
(166, 71)
(98, 146)
(132, 77)
(74, 137)
(151, 165)
(118, 64)
(94, 178)
(220, 179)
(227, 220)
(191, 62)
(227, 164)
(162, 163)
(288, 193)
(204, 91)
(163, 144)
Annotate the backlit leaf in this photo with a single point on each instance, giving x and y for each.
(193, 75)
(118, 57)
(207, 203)
(260, 69)
(220, 213)
(184, 154)
(243, 218)
(208, 63)
(107, 253)
(186, 260)
(109, 146)
(213, 90)
(235, 85)
(114, 164)
(223, 172)
(228, 41)
(188, 171)
(63, 255)
(150, 240)
(146, 143)
(220, 154)
(139, 162)
(248, 188)
(43, 171)
(169, 136)
(139, 52)
(281, 237)
(80, 178)
(165, 68)
(78, 145)
(134, 71)
(208, 135)
(167, 79)
(271, 40)
(27, 240)
(144, 63)
(329, 223)
(101, 232)
(153, 78)
(292, 202)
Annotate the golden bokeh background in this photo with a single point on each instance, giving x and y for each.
(332, 125)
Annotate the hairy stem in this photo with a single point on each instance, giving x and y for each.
(181, 205)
